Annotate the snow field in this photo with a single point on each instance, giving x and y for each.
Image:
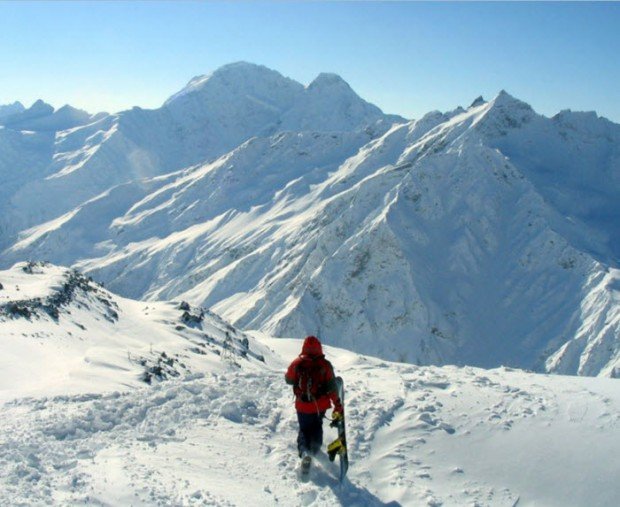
(81, 426)
(417, 436)
(63, 334)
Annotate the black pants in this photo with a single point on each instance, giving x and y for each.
(310, 437)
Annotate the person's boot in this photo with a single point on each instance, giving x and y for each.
(306, 461)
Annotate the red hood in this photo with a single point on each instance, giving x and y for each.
(312, 347)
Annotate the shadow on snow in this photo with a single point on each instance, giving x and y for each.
(349, 494)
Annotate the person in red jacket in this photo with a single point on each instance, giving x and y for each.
(314, 384)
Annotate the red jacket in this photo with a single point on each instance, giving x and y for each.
(324, 380)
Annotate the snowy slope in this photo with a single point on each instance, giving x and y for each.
(573, 159)
(241, 99)
(417, 436)
(329, 104)
(63, 334)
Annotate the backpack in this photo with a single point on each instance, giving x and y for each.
(310, 379)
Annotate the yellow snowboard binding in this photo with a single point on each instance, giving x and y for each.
(336, 447)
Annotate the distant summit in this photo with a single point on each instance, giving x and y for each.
(247, 94)
(233, 80)
(11, 109)
(478, 101)
(41, 117)
(328, 79)
(38, 110)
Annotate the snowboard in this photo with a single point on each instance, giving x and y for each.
(339, 446)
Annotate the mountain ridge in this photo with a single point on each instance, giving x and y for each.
(440, 240)
(65, 334)
(139, 143)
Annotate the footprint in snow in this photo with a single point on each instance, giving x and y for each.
(308, 497)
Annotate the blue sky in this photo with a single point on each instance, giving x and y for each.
(408, 58)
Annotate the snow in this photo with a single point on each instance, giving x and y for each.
(222, 434)
(63, 334)
(42, 117)
(464, 245)
(588, 352)
(213, 115)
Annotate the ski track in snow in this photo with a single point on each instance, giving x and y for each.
(417, 436)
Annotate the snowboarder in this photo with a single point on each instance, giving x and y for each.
(314, 384)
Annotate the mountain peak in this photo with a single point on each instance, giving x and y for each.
(20, 116)
(16, 104)
(40, 107)
(242, 77)
(42, 117)
(328, 80)
(10, 109)
(504, 99)
(478, 101)
(241, 66)
(328, 103)
(504, 113)
(67, 108)
(239, 71)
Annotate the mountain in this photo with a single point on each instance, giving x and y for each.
(28, 146)
(64, 334)
(41, 117)
(482, 236)
(241, 100)
(11, 109)
(38, 110)
(329, 104)
(211, 116)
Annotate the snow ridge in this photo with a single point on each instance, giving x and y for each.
(41, 117)
(63, 334)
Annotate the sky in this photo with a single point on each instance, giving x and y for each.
(407, 58)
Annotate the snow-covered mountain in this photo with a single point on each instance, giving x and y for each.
(481, 236)
(212, 115)
(63, 334)
(42, 117)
